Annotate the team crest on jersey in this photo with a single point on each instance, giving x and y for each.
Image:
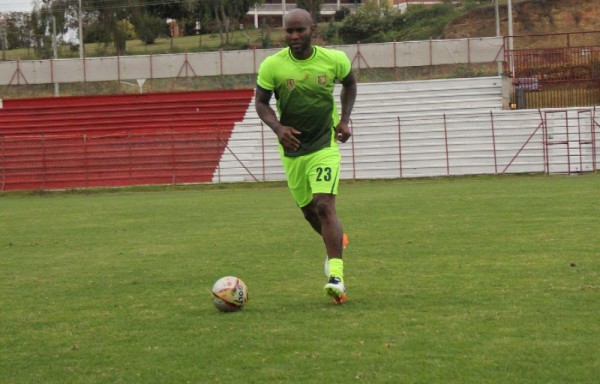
(322, 80)
(290, 83)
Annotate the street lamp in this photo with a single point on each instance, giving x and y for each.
(49, 5)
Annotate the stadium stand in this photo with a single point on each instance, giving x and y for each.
(116, 140)
(373, 151)
(405, 129)
(428, 128)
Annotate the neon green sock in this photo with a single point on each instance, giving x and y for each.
(336, 268)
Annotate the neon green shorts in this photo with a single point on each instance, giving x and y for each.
(317, 172)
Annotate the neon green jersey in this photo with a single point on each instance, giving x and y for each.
(304, 93)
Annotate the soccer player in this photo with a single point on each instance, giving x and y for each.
(309, 128)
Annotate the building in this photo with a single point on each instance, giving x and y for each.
(271, 11)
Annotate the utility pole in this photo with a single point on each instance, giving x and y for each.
(54, 49)
(510, 38)
(498, 32)
(3, 36)
(283, 14)
(81, 31)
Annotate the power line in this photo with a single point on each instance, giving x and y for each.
(106, 4)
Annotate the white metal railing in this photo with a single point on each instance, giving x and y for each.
(432, 128)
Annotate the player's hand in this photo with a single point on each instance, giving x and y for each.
(288, 138)
(342, 132)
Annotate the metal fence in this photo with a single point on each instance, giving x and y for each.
(437, 144)
(499, 142)
(424, 128)
(81, 160)
(555, 70)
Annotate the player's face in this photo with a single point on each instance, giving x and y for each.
(298, 35)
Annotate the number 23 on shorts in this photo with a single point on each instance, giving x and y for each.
(324, 174)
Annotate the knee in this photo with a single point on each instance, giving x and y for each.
(309, 215)
(325, 208)
(310, 212)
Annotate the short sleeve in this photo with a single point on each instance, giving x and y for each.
(265, 75)
(344, 66)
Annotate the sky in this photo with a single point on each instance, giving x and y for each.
(16, 5)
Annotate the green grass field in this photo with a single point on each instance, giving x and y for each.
(460, 280)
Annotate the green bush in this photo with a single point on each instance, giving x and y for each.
(372, 24)
(148, 28)
(366, 24)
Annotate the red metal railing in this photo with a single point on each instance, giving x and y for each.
(555, 70)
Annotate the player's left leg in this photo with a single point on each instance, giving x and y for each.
(331, 230)
(324, 174)
(313, 180)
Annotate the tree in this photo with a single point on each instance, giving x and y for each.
(62, 11)
(167, 10)
(149, 27)
(223, 12)
(17, 31)
(365, 23)
(40, 24)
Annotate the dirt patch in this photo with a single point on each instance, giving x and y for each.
(529, 17)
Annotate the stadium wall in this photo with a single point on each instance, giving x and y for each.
(382, 55)
(400, 129)
(433, 128)
(117, 140)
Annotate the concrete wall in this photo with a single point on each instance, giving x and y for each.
(384, 55)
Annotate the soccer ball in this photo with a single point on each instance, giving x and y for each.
(229, 294)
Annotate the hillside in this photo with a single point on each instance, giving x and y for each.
(529, 17)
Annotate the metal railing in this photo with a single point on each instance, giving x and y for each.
(555, 70)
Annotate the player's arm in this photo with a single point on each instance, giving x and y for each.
(347, 98)
(285, 135)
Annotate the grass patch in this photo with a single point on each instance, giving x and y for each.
(238, 39)
(458, 280)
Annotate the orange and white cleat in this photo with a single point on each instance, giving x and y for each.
(336, 290)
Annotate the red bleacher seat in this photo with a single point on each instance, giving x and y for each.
(116, 140)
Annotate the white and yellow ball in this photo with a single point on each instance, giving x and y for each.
(229, 294)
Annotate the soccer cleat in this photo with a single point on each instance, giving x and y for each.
(336, 290)
(344, 245)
